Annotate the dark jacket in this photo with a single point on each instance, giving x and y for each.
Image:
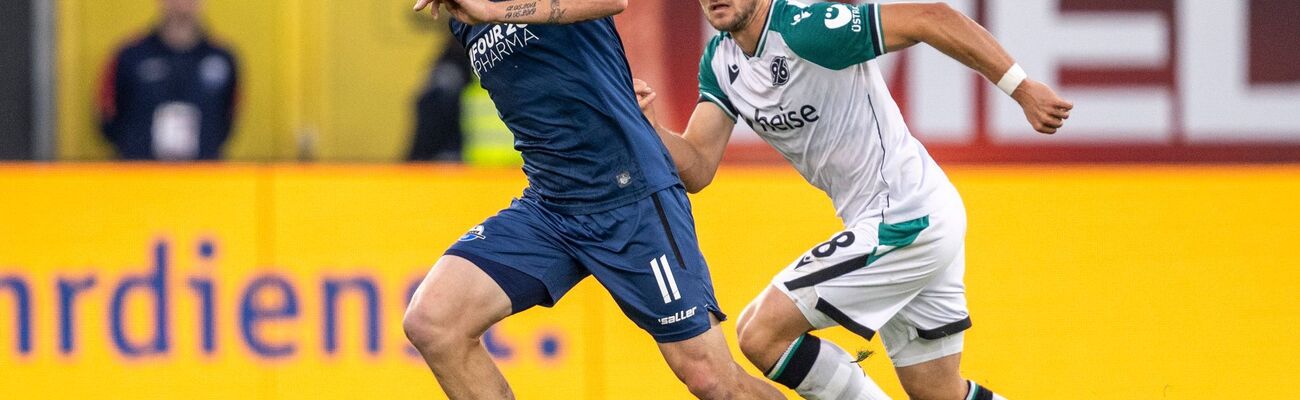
(147, 79)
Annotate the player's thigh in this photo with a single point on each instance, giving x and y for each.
(935, 379)
(451, 287)
(522, 251)
(506, 265)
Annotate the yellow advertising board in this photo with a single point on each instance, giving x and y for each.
(290, 281)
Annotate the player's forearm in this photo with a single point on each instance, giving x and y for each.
(688, 160)
(948, 31)
(555, 11)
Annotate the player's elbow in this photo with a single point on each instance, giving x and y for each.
(697, 185)
(616, 6)
(926, 20)
(937, 12)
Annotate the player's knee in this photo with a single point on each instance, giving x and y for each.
(938, 12)
(705, 382)
(756, 341)
(942, 386)
(746, 317)
(428, 332)
(418, 327)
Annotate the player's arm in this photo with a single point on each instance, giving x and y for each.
(959, 37)
(697, 152)
(475, 12)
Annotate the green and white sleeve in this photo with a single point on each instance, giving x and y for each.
(710, 90)
(834, 35)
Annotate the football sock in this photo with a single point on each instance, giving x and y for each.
(978, 392)
(820, 370)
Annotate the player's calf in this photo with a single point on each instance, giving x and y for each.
(940, 379)
(705, 365)
(702, 380)
(966, 390)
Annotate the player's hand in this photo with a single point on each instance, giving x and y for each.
(1045, 110)
(645, 96)
(420, 5)
(472, 12)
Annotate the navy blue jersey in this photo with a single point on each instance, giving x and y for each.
(147, 76)
(565, 91)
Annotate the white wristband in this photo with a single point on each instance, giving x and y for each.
(1012, 80)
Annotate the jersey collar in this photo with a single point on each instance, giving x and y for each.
(767, 26)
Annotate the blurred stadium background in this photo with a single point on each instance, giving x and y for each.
(1147, 251)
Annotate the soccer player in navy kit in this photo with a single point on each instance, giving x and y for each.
(604, 199)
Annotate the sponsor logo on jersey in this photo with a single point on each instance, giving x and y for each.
(784, 121)
(839, 15)
(473, 234)
(734, 71)
(497, 43)
(678, 316)
(800, 17)
(780, 71)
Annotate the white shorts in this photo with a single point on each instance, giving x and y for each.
(903, 280)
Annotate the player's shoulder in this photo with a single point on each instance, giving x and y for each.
(833, 35)
(799, 17)
(460, 31)
(717, 44)
(719, 41)
(790, 14)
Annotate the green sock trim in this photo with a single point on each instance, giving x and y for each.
(974, 390)
(785, 359)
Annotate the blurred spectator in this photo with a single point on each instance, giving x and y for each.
(438, 111)
(171, 95)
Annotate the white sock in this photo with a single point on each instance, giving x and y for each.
(820, 370)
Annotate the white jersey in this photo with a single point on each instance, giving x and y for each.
(813, 92)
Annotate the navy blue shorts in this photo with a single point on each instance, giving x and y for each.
(644, 253)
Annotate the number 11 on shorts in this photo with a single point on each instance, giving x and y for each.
(663, 272)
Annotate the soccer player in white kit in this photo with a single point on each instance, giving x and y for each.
(803, 77)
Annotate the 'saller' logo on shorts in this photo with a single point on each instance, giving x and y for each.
(473, 234)
(678, 316)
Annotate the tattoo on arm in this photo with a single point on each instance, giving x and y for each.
(557, 12)
(521, 10)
